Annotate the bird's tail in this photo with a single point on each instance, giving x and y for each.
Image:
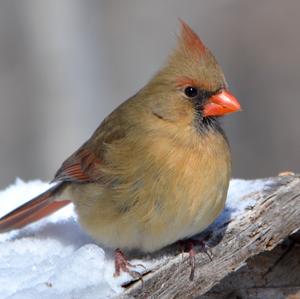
(37, 208)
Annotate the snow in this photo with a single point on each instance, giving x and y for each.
(54, 258)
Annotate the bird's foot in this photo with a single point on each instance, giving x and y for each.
(122, 264)
(189, 247)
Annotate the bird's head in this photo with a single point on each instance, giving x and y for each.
(191, 83)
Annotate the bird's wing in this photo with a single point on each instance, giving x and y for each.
(81, 167)
(84, 166)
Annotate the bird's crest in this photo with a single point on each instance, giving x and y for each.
(190, 40)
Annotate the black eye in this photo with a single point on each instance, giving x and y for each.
(191, 91)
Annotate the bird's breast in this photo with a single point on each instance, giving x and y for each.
(165, 192)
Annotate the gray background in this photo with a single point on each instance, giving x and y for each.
(64, 65)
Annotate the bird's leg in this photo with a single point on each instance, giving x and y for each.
(188, 246)
(122, 264)
(203, 247)
(192, 254)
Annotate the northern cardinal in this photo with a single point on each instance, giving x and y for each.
(157, 169)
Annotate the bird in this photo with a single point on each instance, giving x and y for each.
(157, 169)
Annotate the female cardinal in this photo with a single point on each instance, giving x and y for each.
(157, 168)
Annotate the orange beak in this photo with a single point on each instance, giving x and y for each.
(221, 104)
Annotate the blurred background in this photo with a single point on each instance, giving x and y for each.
(65, 64)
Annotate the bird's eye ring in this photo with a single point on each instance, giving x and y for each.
(191, 92)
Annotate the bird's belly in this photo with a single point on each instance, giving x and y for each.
(184, 220)
(164, 216)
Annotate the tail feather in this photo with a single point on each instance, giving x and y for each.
(37, 208)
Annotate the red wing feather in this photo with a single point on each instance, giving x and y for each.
(80, 168)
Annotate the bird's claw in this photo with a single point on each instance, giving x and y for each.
(122, 265)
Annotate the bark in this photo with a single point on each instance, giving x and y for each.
(242, 264)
